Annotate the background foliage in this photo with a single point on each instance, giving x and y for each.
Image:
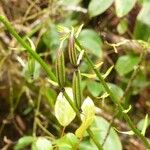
(115, 35)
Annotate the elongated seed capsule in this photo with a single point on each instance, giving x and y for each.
(72, 50)
(76, 85)
(60, 69)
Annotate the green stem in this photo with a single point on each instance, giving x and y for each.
(28, 48)
(71, 104)
(94, 139)
(46, 68)
(115, 100)
(44, 129)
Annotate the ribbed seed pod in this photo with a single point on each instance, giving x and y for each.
(72, 50)
(60, 69)
(76, 86)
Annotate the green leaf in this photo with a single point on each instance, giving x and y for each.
(143, 124)
(87, 145)
(99, 128)
(67, 142)
(63, 111)
(87, 116)
(24, 142)
(123, 7)
(50, 95)
(142, 27)
(97, 7)
(95, 88)
(122, 26)
(91, 41)
(126, 64)
(42, 144)
(51, 37)
(117, 91)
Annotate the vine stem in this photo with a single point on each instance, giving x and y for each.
(115, 99)
(9, 27)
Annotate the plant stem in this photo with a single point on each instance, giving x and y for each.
(71, 103)
(94, 139)
(47, 70)
(115, 100)
(36, 113)
(44, 129)
(27, 47)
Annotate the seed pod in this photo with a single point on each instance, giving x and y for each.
(76, 86)
(72, 50)
(60, 69)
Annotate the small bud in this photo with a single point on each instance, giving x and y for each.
(72, 50)
(76, 85)
(60, 69)
(31, 67)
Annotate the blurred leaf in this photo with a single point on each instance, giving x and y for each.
(67, 142)
(126, 64)
(95, 88)
(63, 111)
(142, 27)
(87, 145)
(42, 144)
(51, 37)
(141, 123)
(24, 142)
(123, 7)
(142, 1)
(122, 26)
(87, 116)
(97, 7)
(50, 95)
(140, 81)
(117, 91)
(145, 125)
(91, 41)
(99, 128)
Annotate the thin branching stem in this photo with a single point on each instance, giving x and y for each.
(36, 113)
(115, 99)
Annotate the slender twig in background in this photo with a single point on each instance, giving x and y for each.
(136, 70)
(44, 129)
(115, 99)
(134, 74)
(109, 128)
(36, 113)
(32, 4)
(47, 70)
